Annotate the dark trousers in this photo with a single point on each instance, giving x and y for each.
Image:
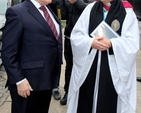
(69, 62)
(37, 102)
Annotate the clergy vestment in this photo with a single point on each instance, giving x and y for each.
(101, 78)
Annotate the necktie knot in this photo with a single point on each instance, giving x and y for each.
(43, 8)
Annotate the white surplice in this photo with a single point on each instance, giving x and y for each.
(122, 63)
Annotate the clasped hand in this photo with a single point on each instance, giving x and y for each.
(101, 43)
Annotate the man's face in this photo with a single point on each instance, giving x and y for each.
(44, 2)
(106, 1)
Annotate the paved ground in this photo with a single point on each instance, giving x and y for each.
(55, 107)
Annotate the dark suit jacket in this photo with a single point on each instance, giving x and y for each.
(30, 49)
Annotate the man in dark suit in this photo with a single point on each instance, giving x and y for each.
(55, 90)
(32, 55)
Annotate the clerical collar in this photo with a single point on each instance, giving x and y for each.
(106, 6)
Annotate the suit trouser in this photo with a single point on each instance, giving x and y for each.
(69, 62)
(37, 102)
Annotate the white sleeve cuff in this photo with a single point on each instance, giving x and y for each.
(20, 81)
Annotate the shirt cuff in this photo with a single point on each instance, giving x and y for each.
(20, 81)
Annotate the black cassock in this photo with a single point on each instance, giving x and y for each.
(107, 96)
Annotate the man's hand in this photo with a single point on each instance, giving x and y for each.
(106, 41)
(72, 1)
(101, 43)
(24, 89)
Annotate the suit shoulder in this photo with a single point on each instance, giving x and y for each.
(18, 8)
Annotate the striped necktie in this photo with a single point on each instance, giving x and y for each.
(50, 22)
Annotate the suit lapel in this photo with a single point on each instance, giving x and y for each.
(36, 14)
(54, 15)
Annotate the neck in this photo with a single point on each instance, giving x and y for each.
(107, 4)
